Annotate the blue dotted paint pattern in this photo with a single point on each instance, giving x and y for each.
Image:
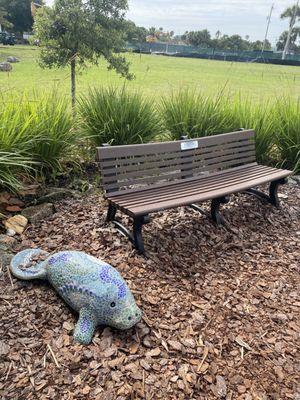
(59, 258)
(105, 277)
(85, 326)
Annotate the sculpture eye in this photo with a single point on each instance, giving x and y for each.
(113, 304)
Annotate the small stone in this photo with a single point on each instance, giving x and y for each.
(4, 348)
(68, 326)
(5, 67)
(37, 213)
(12, 59)
(5, 258)
(296, 178)
(280, 317)
(221, 386)
(7, 241)
(241, 389)
(174, 345)
(189, 342)
(153, 353)
(292, 181)
(10, 232)
(17, 223)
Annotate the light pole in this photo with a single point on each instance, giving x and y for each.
(267, 30)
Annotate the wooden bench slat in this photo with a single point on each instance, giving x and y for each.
(129, 162)
(192, 186)
(141, 167)
(221, 191)
(227, 162)
(182, 194)
(178, 161)
(108, 178)
(142, 181)
(158, 186)
(160, 147)
(178, 174)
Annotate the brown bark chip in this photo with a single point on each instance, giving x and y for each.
(221, 309)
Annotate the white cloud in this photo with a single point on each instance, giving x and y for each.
(229, 16)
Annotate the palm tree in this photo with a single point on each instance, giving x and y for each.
(218, 34)
(293, 13)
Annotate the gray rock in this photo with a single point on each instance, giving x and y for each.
(12, 59)
(56, 194)
(280, 318)
(7, 244)
(37, 213)
(5, 258)
(5, 67)
(296, 178)
(7, 241)
(292, 181)
(11, 232)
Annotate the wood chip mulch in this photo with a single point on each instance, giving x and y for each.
(221, 309)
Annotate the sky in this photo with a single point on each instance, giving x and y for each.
(243, 17)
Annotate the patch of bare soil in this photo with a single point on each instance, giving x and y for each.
(221, 309)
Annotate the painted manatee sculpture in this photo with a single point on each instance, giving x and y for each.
(91, 287)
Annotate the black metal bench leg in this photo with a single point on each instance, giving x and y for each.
(111, 213)
(215, 210)
(138, 223)
(273, 191)
(272, 198)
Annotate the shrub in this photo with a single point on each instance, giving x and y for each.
(195, 115)
(15, 120)
(192, 114)
(10, 165)
(287, 132)
(36, 136)
(52, 130)
(259, 117)
(118, 117)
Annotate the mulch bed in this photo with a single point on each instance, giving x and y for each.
(221, 309)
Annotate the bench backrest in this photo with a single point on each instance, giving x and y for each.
(125, 167)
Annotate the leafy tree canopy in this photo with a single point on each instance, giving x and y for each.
(292, 13)
(79, 31)
(294, 44)
(3, 19)
(18, 13)
(199, 38)
(135, 34)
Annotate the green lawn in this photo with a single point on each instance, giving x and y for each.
(155, 75)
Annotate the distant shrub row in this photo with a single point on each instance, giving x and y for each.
(39, 137)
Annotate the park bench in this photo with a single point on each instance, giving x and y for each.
(143, 179)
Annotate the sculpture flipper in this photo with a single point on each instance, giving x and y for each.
(85, 327)
(78, 296)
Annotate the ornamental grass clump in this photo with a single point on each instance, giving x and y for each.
(192, 114)
(15, 144)
(287, 132)
(12, 165)
(36, 138)
(55, 139)
(118, 117)
(259, 117)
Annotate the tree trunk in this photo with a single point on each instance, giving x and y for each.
(73, 83)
